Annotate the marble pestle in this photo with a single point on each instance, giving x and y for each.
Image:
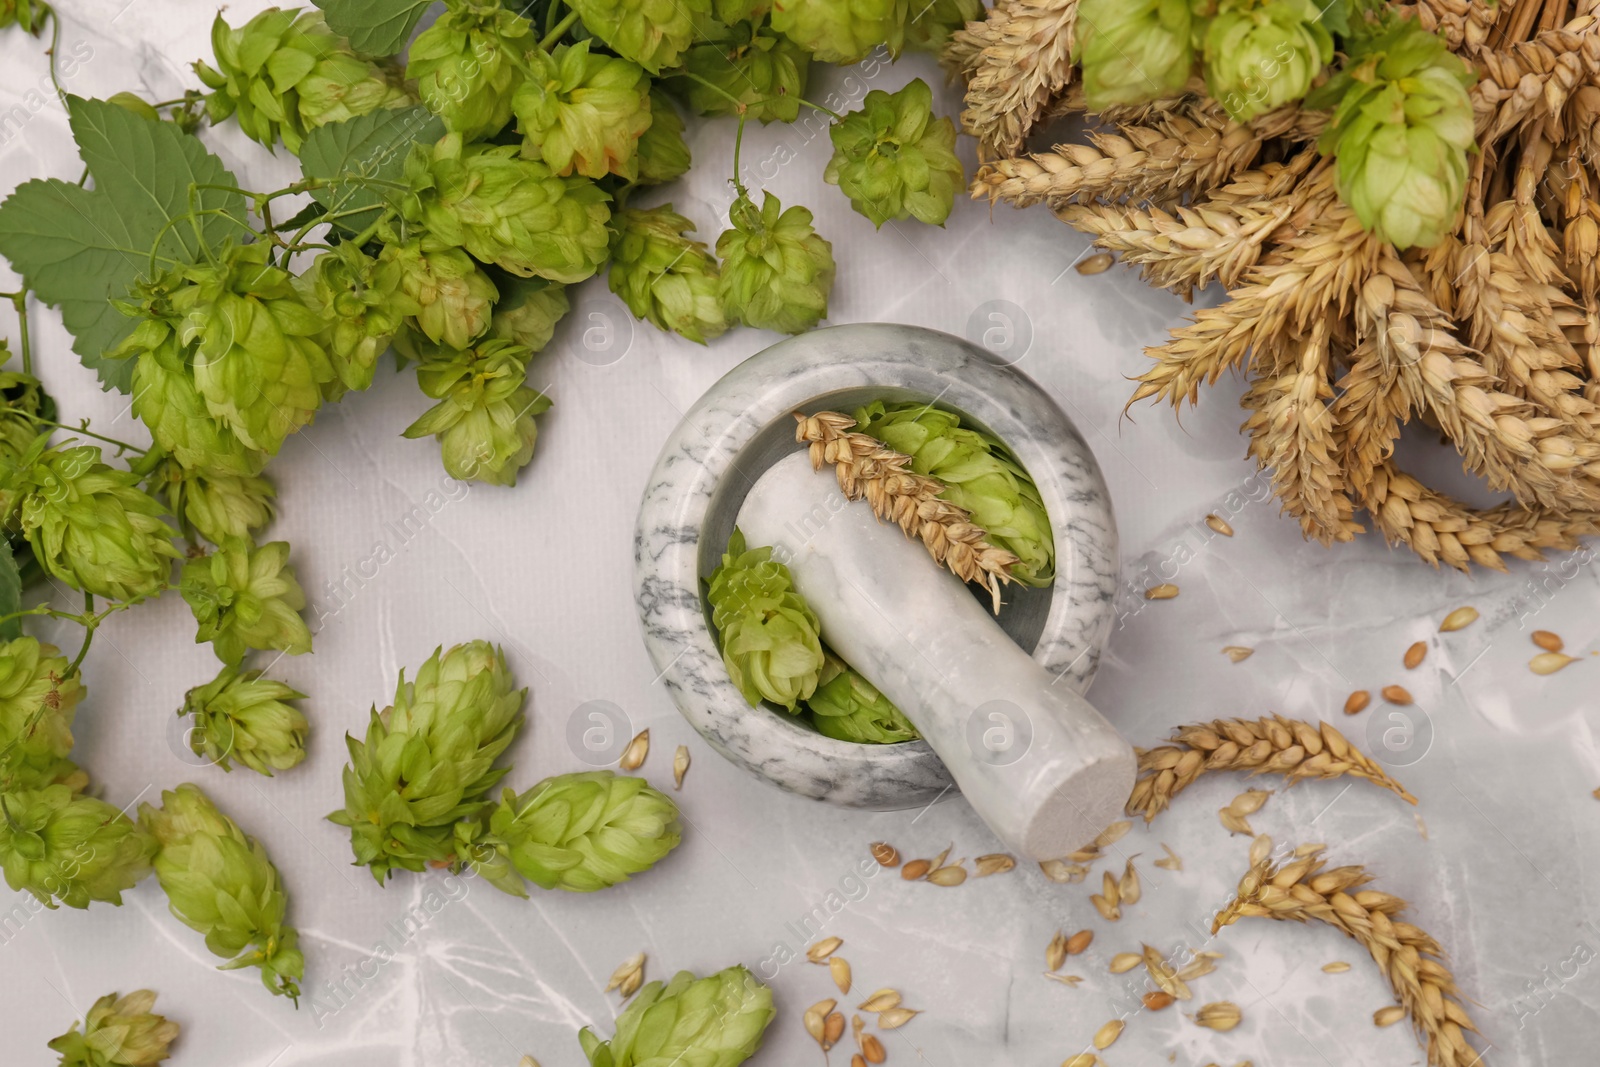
(1038, 763)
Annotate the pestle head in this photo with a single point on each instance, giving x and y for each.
(1038, 763)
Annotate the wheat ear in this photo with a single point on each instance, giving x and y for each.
(1015, 61)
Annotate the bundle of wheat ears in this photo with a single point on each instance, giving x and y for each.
(1492, 337)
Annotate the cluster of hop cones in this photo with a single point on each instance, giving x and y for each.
(1492, 337)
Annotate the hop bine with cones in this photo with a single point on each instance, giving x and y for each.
(1407, 226)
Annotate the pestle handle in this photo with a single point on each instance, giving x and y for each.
(1039, 764)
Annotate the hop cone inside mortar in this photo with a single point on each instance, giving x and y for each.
(362, 303)
(581, 832)
(428, 759)
(1134, 50)
(484, 419)
(894, 159)
(37, 703)
(708, 1022)
(1261, 54)
(662, 152)
(848, 707)
(239, 715)
(245, 596)
(118, 1032)
(842, 31)
(91, 525)
(979, 474)
(508, 211)
(582, 112)
(67, 848)
(219, 881)
(776, 270)
(468, 65)
(453, 295)
(1401, 130)
(755, 66)
(662, 275)
(771, 639)
(528, 311)
(652, 33)
(284, 73)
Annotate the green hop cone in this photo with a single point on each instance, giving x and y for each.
(651, 33)
(221, 507)
(31, 15)
(245, 596)
(582, 832)
(753, 65)
(168, 401)
(582, 112)
(363, 302)
(1134, 50)
(67, 848)
(91, 525)
(770, 638)
(1261, 54)
(528, 311)
(428, 759)
(484, 419)
(468, 65)
(23, 402)
(284, 73)
(118, 1032)
(842, 31)
(776, 271)
(894, 159)
(664, 276)
(931, 23)
(239, 715)
(453, 294)
(1401, 130)
(662, 152)
(219, 881)
(979, 474)
(508, 211)
(716, 1021)
(848, 707)
(37, 704)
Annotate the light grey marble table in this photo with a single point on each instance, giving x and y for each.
(1501, 859)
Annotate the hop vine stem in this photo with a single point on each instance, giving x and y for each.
(19, 300)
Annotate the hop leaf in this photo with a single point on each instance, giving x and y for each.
(583, 112)
(662, 275)
(776, 271)
(755, 66)
(241, 715)
(1260, 55)
(37, 703)
(580, 832)
(528, 312)
(452, 293)
(362, 303)
(428, 759)
(1401, 131)
(67, 848)
(662, 152)
(979, 474)
(284, 73)
(246, 597)
(716, 1021)
(769, 636)
(468, 65)
(511, 212)
(118, 1032)
(485, 416)
(90, 524)
(219, 881)
(652, 33)
(1134, 50)
(894, 160)
(848, 707)
(842, 31)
